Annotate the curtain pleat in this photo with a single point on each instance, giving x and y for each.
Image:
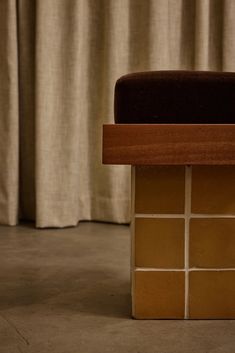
(26, 54)
(9, 114)
(59, 61)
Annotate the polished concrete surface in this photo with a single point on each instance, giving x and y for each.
(67, 291)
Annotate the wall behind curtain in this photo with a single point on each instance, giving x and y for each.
(59, 60)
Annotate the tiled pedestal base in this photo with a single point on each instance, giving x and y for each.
(183, 242)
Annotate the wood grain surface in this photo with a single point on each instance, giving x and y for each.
(152, 144)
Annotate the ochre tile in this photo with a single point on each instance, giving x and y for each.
(212, 243)
(212, 294)
(213, 189)
(159, 189)
(158, 295)
(159, 242)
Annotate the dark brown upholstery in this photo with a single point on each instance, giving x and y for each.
(175, 97)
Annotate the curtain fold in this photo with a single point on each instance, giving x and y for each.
(9, 114)
(59, 61)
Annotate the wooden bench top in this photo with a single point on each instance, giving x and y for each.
(169, 144)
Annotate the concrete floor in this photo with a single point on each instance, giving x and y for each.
(67, 291)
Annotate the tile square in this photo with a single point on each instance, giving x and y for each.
(212, 243)
(158, 295)
(159, 189)
(212, 295)
(213, 189)
(159, 242)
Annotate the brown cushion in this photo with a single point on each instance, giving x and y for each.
(175, 97)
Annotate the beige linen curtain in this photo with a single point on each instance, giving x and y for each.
(59, 60)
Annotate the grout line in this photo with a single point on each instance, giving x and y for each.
(144, 269)
(132, 275)
(140, 215)
(198, 215)
(193, 269)
(192, 215)
(211, 269)
(188, 187)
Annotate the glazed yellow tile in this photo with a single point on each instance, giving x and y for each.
(159, 243)
(213, 189)
(159, 295)
(212, 294)
(212, 243)
(159, 189)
